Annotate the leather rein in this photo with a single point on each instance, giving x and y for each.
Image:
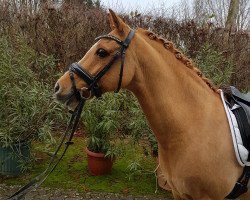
(94, 87)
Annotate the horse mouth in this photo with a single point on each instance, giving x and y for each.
(66, 99)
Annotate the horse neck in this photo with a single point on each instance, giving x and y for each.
(169, 93)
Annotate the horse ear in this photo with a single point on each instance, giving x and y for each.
(116, 22)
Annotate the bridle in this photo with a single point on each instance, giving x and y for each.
(93, 86)
(92, 81)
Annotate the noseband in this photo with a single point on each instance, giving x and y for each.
(92, 81)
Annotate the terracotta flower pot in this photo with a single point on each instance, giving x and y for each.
(98, 165)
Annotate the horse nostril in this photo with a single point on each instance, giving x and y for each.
(57, 87)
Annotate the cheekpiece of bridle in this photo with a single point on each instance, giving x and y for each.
(92, 81)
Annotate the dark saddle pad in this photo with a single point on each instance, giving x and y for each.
(242, 114)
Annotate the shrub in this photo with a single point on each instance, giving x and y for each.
(68, 30)
(214, 65)
(135, 120)
(136, 124)
(27, 108)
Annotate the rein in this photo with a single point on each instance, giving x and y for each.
(37, 181)
(92, 82)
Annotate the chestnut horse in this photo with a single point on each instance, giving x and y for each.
(183, 108)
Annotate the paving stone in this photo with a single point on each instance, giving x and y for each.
(62, 194)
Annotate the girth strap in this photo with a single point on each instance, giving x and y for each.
(241, 185)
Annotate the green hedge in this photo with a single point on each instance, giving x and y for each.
(27, 107)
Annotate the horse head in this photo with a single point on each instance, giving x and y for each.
(103, 68)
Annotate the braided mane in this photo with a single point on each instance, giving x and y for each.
(180, 56)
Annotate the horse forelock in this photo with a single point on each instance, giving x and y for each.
(168, 45)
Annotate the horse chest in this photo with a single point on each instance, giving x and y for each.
(189, 173)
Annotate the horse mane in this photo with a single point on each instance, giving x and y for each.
(180, 56)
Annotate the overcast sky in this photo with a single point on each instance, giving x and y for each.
(140, 5)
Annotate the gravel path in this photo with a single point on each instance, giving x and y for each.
(60, 194)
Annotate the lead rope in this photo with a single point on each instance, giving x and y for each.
(43, 176)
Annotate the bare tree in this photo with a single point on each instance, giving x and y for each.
(243, 18)
(232, 15)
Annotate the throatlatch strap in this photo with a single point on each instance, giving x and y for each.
(123, 51)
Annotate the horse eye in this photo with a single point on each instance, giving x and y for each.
(102, 53)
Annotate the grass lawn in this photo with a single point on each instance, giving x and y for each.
(72, 172)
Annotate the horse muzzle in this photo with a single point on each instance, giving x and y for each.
(67, 98)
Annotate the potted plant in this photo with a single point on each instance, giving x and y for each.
(101, 123)
(26, 109)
